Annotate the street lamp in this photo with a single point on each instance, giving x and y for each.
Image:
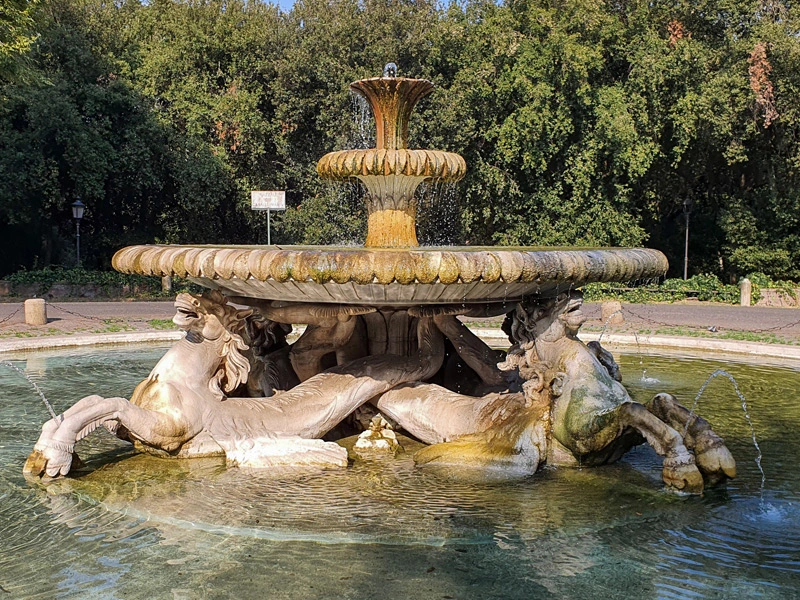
(77, 213)
(687, 210)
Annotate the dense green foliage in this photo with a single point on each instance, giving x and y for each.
(582, 122)
(707, 288)
(16, 37)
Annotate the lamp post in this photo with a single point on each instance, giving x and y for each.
(687, 210)
(77, 213)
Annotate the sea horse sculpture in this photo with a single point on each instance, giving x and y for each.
(594, 419)
(551, 399)
(182, 408)
(570, 408)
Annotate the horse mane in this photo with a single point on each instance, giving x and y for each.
(235, 367)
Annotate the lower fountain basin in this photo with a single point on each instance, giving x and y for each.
(392, 277)
(134, 526)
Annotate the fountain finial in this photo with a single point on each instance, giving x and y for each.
(390, 70)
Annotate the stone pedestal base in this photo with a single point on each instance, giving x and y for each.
(611, 313)
(35, 312)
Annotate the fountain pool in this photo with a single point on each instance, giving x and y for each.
(134, 526)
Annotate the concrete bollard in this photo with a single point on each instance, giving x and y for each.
(35, 312)
(611, 313)
(166, 283)
(745, 292)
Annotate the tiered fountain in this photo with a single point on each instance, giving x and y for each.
(382, 326)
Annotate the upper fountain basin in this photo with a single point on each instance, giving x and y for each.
(392, 100)
(391, 276)
(428, 164)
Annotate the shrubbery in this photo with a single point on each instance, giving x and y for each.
(707, 288)
(111, 283)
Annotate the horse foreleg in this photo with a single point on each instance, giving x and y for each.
(473, 351)
(54, 450)
(307, 353)
(712, 456)
(680, 470)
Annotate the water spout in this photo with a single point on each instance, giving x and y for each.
(607, 321)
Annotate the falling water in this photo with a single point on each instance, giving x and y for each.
(345, 213)
(730, 377)
(363, 135)
(437, 214)
(644, 377)
(641, 361)
(607, 321)
(35, 387)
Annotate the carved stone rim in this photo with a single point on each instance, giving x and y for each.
(434, 164)
(321, 264)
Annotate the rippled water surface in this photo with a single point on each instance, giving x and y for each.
(132, 526)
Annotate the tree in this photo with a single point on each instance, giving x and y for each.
(16, 36)
(582, 123)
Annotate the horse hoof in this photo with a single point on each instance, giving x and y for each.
(48, 461)
(35, 464)
(682, 476)
(715, 462)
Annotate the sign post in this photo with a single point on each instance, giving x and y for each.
(268, 201)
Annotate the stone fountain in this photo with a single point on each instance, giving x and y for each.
(383, 339)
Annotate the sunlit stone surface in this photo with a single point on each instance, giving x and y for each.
(392, 277)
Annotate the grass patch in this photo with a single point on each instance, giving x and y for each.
(114, 328)
(741, 336)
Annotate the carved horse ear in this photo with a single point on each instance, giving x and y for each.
(216, 296)
(520, 312)
(244, 313)
(557, 384)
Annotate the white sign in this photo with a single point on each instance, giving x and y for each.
(268, 200)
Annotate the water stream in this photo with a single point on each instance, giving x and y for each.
(36, 388)
(743, 400)
(134, 526)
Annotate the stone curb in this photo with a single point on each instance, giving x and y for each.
(699, 345)
(494, 337)
(67, 341)
(498, 339)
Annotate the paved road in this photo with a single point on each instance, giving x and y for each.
(91, 316)
(95, 310)
(781, 321)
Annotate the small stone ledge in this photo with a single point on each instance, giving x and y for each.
(774, 297)
(68, 341)
(709, 347)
